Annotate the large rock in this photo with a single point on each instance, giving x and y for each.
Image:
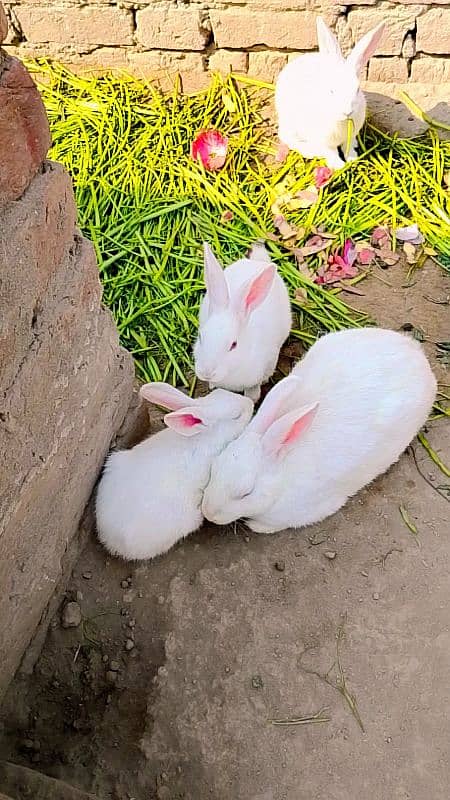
(24, 131)
(64, 386)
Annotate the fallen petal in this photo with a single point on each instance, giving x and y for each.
(349, 252)
(410, 233)
(365, 255)
(307, 197)
(380, 236)
(410, 252)
(322, 176)
(227, 216)
(286, 231)
(301, 295)
(387, 256)
(211, 148)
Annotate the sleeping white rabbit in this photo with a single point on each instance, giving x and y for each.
(245, 316)
(344, 415)
(317, 93)
(149, 497)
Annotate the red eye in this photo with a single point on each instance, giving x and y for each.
(233, 345)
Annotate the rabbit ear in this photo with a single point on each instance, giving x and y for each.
(216, 284)
(187, 421)
(328, 44)
(287, 430)
(365, 48)
(162, 394)
(254, 292)
(274, 404)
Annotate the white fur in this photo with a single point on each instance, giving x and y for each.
(344, 415)
(226, 315)
(149, 497)
(317, 93)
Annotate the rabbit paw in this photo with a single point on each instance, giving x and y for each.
(333, 159)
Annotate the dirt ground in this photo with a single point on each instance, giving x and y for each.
(167, 688)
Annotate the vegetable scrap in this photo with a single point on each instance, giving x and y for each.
(211, 148)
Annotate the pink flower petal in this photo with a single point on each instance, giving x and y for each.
(380, 236)
(349, 253)
(322, 176)
(365, 256)
(211, 147)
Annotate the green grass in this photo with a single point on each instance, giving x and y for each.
(147, 206)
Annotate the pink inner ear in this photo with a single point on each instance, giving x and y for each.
(259, 289)
(189, 421)
(299, 426)
(295, 430)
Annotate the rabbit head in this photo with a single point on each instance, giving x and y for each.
(337, 81)
(192, 416)
(247, 476)
(220, 347)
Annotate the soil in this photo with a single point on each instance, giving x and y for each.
(167, 688)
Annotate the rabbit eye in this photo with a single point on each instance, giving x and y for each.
(233, 345)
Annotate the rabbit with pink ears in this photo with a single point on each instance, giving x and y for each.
(149, 497)
(317, 93)
(245, 316)
(343, 416)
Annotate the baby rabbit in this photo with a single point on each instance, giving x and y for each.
(245, 316)
(150, 496)
(344, 415)
(317, 93)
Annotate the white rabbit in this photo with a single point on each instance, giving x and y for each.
(344, 415)
(245, 316)
(317, 93)
(149, 497)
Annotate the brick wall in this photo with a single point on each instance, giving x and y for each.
(158, 39)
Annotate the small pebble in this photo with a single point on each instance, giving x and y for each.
(246, 539)
(132, 623)
(71, 615)
(389, 739)
(280, 566)
(376, 596)
(257, 682)
(128, 597)
(114, 665)
(330, 554)
(129, 644)
(87, 575)
(124, 584)
(111, 676)
(105, 659)
(365, 574)
(227, 669)
(79, 596)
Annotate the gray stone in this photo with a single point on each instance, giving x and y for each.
(71, 616)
